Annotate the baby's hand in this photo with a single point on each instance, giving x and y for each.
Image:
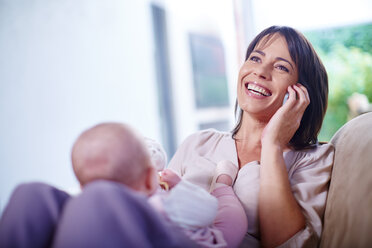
(169, 177)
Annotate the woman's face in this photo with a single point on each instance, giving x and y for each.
(265, 76)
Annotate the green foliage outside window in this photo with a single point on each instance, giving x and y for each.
(347, 55)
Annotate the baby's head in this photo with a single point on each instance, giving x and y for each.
(113, 151)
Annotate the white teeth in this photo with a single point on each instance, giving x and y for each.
(257, 89)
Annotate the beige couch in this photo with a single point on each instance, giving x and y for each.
(348, 214)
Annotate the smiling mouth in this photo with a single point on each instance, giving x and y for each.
(257, 90)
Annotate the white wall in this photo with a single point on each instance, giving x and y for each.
(66, 65)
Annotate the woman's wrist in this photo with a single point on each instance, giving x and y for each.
(271, 147)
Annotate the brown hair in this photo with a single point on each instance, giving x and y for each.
(311, 74)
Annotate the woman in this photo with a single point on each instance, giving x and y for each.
(283, 171)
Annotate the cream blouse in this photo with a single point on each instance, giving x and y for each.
(308, 172)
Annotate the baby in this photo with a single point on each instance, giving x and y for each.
(113, 151)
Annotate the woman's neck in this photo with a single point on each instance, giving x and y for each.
(248, 140)
(250, 130)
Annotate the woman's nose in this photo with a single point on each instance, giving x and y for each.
(262, 71)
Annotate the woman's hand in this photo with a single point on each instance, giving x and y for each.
(284, 123)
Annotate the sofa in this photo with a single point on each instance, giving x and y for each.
(348, 214)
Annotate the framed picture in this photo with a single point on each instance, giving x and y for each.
(209, 72)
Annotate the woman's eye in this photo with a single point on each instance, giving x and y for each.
(255, 59)
(282, 68)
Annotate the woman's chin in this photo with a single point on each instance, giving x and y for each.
(261, 115)
(261, 111)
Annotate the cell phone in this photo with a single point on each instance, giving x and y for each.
(285, 97)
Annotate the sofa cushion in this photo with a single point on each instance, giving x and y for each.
(348, 214)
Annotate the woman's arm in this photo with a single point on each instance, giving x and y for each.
(280, 215)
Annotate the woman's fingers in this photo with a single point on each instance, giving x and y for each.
(291, 100)
(303, 96)
(302, 92)
(291, 93)
(303, 88)
(298, 101)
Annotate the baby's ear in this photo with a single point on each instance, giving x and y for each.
(151, 180)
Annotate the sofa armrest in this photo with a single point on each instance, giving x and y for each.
(348, 214)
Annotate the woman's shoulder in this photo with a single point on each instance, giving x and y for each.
(320, 154)
(206, 141)
(316, 150)
(203, 147)
(207, 136)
